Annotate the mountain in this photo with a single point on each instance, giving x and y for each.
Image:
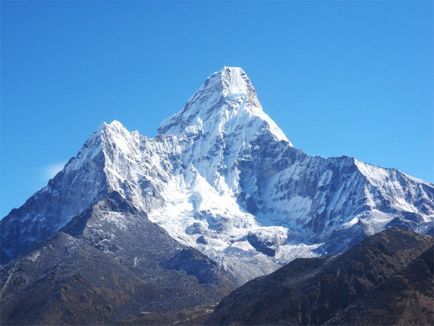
(108, 263)
(385, 279)
(404, 299)
(221, 178)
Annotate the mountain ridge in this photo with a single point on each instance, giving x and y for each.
(106, 264)
(330, 290)
(220, 178)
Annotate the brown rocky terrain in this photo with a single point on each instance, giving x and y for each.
(385, 269)
(108, 264)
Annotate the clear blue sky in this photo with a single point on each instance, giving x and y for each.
(347, 77)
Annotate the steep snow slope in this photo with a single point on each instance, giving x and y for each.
(221, 177)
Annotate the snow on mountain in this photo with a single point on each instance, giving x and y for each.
(225, 102)
(221, 177)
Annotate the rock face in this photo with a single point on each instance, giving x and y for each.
(107, 264)
(404, 299)
(385, 279)
(222, 178)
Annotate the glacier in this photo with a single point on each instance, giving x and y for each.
(223, 178)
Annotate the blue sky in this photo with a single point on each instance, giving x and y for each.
(346, 77)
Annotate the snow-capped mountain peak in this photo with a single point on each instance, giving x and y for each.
(236, 85)
(225, 104)
(109, 137)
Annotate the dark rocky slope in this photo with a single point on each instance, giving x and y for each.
(312, 291)
(404, 299)
(107, 264)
